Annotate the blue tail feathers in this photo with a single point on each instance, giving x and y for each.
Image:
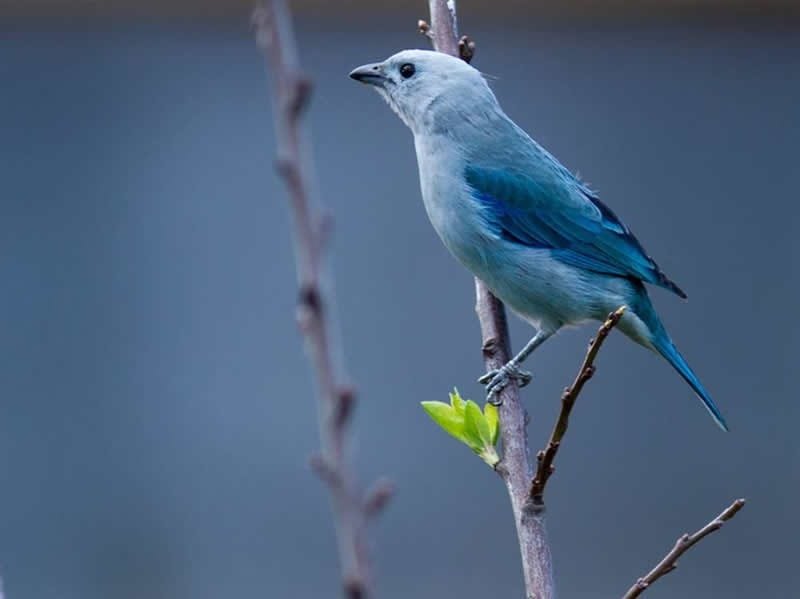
(667, 349)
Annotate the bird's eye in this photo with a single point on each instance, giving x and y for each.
(407, 70)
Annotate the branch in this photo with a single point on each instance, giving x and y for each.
(444, 34)
(545, 457)
(352, 509)
(527, 496)
(682, 545)
(515, 469)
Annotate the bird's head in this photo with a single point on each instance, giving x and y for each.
(428, 90)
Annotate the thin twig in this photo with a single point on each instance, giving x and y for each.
(682, 545)
(515, 469)
(352, 509)
(544, 459)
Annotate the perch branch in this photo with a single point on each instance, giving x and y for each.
(351, 508)
(515, 469)
(682, 545)
(527, 496)
(544, 459)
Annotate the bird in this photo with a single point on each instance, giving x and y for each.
(536, 235)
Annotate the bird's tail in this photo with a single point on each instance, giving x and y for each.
(664, 346)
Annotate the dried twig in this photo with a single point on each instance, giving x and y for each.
(351, 508)
(682, 545)
(515, 469)
(545, 457)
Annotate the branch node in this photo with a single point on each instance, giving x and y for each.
(588, 373)
(466, 49)
(534, 506)
(354, 588)
(308, 298)
(345, 402)
(309, 307)
(490, 347)
(298, 95)
(424, 29)
(378, 497)
(325, 470)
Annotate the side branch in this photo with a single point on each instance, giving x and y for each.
(545, 457)
(351, 507)
(682, 545)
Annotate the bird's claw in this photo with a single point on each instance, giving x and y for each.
(496, 380)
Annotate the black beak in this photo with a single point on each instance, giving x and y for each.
(371, 74)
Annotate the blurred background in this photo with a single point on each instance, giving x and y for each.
(157, 414)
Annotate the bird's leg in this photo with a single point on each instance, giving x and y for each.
(496, 380)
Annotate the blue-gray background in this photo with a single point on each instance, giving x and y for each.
(157, 416)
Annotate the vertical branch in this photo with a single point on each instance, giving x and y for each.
(352, 508)
(515, 468)
(444, 32)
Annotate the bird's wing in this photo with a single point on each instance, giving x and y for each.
(538, 203)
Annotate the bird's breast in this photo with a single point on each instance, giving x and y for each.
(454, 214)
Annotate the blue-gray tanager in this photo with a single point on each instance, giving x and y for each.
(532, 231)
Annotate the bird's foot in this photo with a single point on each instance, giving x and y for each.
(496, 380)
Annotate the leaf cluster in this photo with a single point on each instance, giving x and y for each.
(464, 420)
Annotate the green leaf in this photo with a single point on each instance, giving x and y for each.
(471, 435)
(456, 401)
(479, 431)
(465, 421)
(475, 427)
(493, 420)
(447, 417)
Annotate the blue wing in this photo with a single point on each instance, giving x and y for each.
(550, 208)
